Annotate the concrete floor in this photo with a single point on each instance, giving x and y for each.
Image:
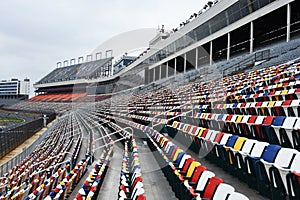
(155, 183)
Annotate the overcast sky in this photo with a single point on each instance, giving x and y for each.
(36, 34)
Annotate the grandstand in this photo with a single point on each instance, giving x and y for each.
(210, 112)
(68, 83)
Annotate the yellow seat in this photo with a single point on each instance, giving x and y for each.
(239, 118)
(237, 146)
(283, 92)
(271, 103)
(185, 127)
(174, 125)
(192, 168)
(239, 143)
(178, 151)
(201, 132)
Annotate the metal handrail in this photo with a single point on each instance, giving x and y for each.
(192, 110)
(122, 129)
(111, 143)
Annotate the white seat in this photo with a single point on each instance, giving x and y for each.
(288, 125)
(183, 159)
(256, 152)
(222, 191)
(225, 138)
(248, 145)
(204, 178)
(283, 171)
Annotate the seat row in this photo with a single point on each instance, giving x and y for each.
(268, 108)
(274, 129)
(131, 182)
(92, 184)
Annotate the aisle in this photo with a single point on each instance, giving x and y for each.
(155, 183)
(110, 186)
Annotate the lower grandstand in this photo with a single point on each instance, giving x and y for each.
(179, 126)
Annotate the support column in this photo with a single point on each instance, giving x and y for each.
(210, 53)
(288, 24)
(159, 72)
(175, 66)
(251, 36)
(167, 70)
(154, 74)
(196, 61)
(228, 46)
(184, 64)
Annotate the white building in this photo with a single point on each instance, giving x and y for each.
(14, 90)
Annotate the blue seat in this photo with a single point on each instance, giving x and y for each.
(220, 117)
(278, 121)
(270, 153)
(263, 182)
(178, 159)
(224, 151)
(275, 127)
(231, 141)
(181, 126)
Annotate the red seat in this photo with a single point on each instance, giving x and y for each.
(211, 187)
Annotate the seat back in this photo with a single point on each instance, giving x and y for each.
(248, 145)
(187, 164)
(258, 149)
(289, 122)
(192, 168)
(270, 153)
(218, 137)
(211, 187)
(231, 141)
(268, 120)
(239, 143)
(197, 173)
(285, 157)
(225, 138)
(182, 161)
(179, 157)
(223, 191)
(205, 176)
(295, 166)
(278, 121)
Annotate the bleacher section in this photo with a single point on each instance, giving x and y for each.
(247, 124)
(86, 70)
